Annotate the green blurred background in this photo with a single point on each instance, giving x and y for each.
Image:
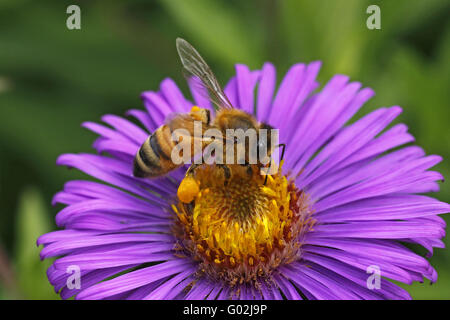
(52, 79)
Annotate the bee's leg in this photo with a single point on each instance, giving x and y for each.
(190, 171)
(189, 207)
(249, 168)
(282, 145)
(226, 172)
(267, 172)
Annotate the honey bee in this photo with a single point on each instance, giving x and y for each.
(154, 156)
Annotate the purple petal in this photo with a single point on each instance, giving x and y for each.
(266, 89)
(133, 279)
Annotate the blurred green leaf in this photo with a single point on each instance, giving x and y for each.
(401, 16)
(218, 28)
(327, 31)
(32, 221)
(435, 291)
(52, 79)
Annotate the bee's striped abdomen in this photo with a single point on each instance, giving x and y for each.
(153, 159)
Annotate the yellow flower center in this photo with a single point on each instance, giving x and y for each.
(239, 229)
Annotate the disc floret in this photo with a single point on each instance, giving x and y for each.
(240, 229)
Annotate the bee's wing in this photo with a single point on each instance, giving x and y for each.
(180, 121)
(184, 121)
(200, 73)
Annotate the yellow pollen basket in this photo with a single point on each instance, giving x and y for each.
(195, 113)
(188, 190)
(244, 230)
(195, 109)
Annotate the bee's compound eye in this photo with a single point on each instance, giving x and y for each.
(262, 143)
(262, 146)
(188, 190)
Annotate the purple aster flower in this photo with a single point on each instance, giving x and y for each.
(346, 201)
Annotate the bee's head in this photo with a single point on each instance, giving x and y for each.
(265, 141)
